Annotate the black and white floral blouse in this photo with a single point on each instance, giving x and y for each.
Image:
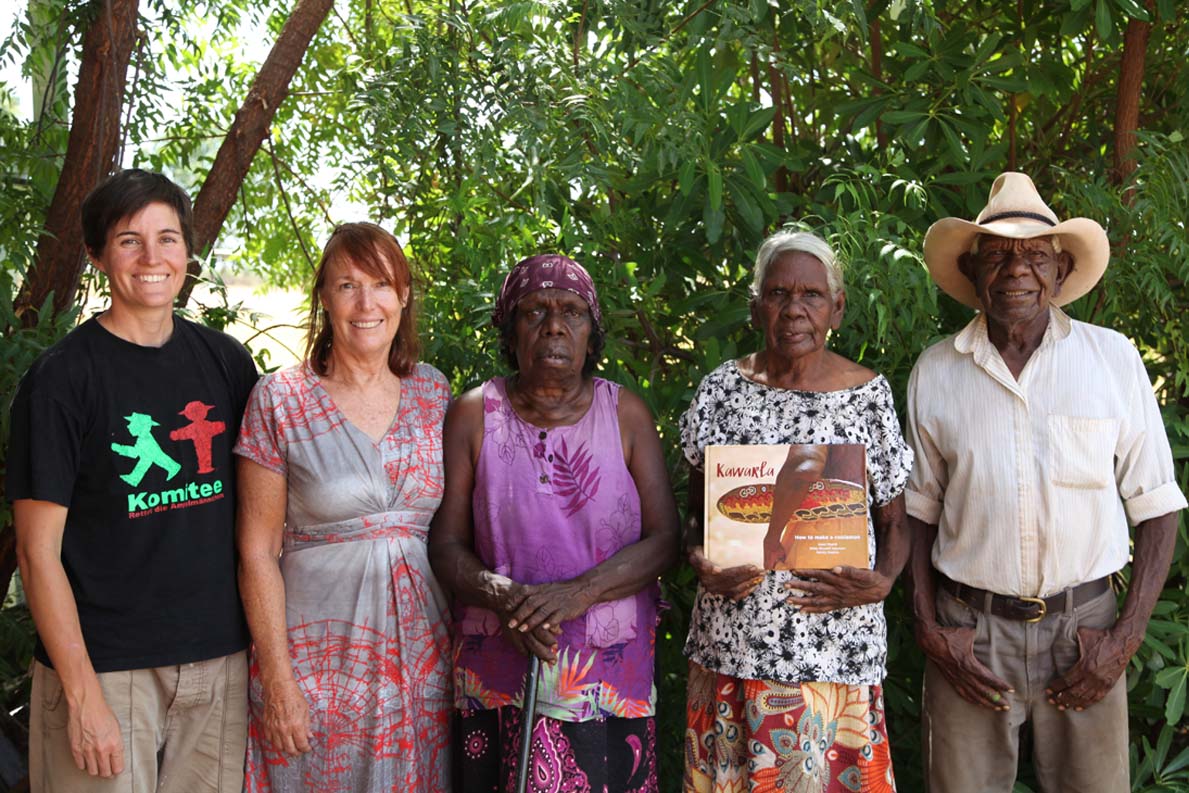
(760, 637)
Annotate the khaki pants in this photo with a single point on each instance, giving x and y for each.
(184, 729)
(971, 749)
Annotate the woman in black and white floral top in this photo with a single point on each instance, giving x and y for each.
(784, 685)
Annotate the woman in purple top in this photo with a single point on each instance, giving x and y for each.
(556, 521)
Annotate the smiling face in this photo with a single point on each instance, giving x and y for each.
(363, 310)
(553, 330)
(794, 309)
(144, 259)
(1015, 279)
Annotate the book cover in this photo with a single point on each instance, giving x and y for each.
(785, 507)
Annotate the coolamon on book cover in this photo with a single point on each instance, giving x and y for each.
(785, 507)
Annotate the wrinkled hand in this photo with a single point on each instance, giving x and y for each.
(287, 718)
(952, 650)
(839, 588)
(524, 610)
(538, 641)
(735, 583)
(1101, 659)
(546, 605)
(94, 735)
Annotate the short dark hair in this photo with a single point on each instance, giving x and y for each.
(377, 253)
(507, 329)
(125, 193)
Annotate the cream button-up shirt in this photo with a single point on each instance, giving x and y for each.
(1032, 482)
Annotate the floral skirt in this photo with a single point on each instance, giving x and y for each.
(612, 755)
(759, 736)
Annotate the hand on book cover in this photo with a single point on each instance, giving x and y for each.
(819, 591)
(733, 582)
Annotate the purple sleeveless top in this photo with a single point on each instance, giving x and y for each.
(548, 505)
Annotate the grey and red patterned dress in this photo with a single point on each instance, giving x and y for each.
(368, 624)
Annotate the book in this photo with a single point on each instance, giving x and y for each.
(820, 489)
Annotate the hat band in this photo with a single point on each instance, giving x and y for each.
(1006, 215)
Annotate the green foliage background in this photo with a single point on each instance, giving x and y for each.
(658, 142)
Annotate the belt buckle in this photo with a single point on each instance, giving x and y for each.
(1044, 609)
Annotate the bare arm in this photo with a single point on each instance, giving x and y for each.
(260, 528)
(802, 467)
(635, 566)
(451, 537)
(1105, 654)
(92, 728)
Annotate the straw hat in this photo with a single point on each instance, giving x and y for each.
(1014, 209)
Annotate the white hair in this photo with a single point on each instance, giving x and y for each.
(1054, 240)
(783, 242)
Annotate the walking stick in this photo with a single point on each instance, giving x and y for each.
(527, 716)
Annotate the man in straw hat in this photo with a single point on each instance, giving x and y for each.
(1037, 439)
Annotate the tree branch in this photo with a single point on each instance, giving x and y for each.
(689, 18)
(250, 126)
(276, 170)
(90, 154)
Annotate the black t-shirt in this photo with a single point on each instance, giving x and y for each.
(136, 443)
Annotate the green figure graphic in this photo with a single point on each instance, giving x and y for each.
(145, 450)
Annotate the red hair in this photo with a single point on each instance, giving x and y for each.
(377, 253)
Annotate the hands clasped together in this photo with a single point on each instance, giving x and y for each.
(531, 614)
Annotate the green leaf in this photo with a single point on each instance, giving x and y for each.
(685, 177)
(1102, 20)
(917, 70)
(752, 166)
(713, 220)
(757, 121)
(752, 215)
(951, 138)
(867, 113)
(859, 9)
(901, 116)
(1175, 706)
(1134, 10)
(906, 48)
(1178, 762)
(1168, 677)
(714, 185)
(987, 47)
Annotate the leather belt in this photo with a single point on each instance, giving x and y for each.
(1024, 608)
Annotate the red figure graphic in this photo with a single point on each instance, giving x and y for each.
(199, 432)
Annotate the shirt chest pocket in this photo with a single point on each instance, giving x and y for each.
(1082, 451)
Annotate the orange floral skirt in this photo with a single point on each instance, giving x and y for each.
(760, 736)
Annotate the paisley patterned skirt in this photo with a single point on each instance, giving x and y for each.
(612, 755)
(758, 736)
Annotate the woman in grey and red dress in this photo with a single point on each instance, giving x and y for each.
(340, 473)
(557, 520)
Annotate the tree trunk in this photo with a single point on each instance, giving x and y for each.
(94, 138)
(1131, 77)
(269, 89)
(90, 155)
